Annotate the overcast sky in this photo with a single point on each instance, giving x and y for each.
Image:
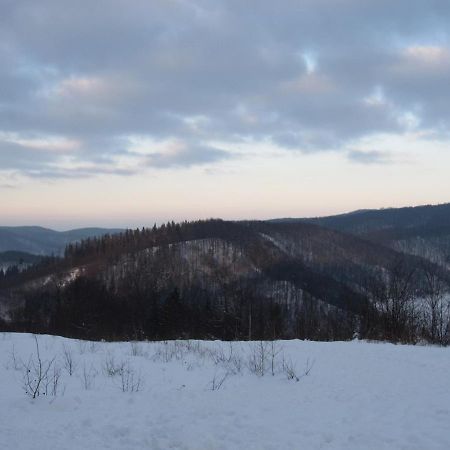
(122, 113)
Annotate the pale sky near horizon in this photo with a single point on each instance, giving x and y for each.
(125, 113)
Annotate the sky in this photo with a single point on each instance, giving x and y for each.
(130, 112)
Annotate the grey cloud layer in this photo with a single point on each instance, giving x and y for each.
(99, 72)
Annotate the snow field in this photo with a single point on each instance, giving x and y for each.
(218, 395)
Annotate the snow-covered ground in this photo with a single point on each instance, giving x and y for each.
(357, 395)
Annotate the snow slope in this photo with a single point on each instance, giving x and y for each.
(357, 395)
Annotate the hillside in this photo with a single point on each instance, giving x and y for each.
(227, 280)
(421, 230)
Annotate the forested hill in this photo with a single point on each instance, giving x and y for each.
(231, 280)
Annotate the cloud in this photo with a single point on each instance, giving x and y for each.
(77, 172)
(369, 157)
(186, 157)
(41, 143)
(78, 83)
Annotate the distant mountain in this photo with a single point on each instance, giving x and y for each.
(43, 241)
(367, 221)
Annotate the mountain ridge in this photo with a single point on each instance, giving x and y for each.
(42, 241)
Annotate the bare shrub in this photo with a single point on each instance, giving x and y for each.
(111, 368)
(308, 367)
(179, 350)
(194, 347)
(199, 351)
(217, 355)
(69, 361)
(82, 347)
(290, 370)
(130, 379)
(258, 358)
(136, 349)
(56, 375)
(93, 346)
(51, 382)
(234, 364)
(218, 380)
(233, 361)
(165, 352)
(13, 360)
(88, 377)
(274, 350)
(35, 379)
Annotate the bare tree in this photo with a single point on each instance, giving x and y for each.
(394, 299)
(437, 315)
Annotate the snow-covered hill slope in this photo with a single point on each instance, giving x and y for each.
(214, 395)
